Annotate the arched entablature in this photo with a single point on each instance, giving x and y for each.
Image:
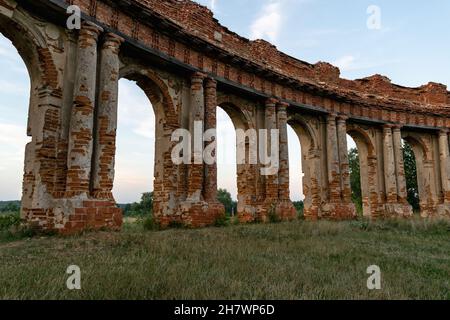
(364, 138)
(304, 128)
(420, 145)
(307, 129)
(157, 90)
(237, 116)
(240, 110)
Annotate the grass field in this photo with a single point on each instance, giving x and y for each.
(299, 260)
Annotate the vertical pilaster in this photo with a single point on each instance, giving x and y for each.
(82, 116)
(271, 180)
(389, 165)
(346, 189)
(106, 122)
(196, 126)
(334, 182)
(283, 173)
(210, 183)
(402, 193)
(444, 158)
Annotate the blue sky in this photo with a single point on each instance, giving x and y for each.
(411, 47)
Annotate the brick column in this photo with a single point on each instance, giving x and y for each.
(195, 175)
(106, 122)
(271, 181)
(334, 182)
(210, 183)
(82, 117)
(346, 188)
(389, 165)
(283, 173)
(402, 193)
(444, 158)
(285, 209)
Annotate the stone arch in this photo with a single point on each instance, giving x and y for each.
(168, 183)
(426, 174)
(237, 116)
(246, 177)
(26, 38)
(311, 164)
(156, 90)
(32, 43)
(368, 169)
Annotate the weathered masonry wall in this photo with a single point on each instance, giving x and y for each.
(188, 64)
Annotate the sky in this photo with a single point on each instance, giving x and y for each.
(405, 40)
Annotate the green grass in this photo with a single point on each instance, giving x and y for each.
(298, 260)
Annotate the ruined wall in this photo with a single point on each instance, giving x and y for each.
(187, 64)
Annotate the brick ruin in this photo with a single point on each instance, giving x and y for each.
(187, 64)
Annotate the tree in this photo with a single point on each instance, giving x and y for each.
(144, 207)
(411, 177)
(299, 206)
(355, 178)
(224, 197)
(10, 206)
(147, 202)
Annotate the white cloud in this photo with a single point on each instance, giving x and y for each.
(212, 4)
(356, 63)
(345, 63)
(268, 23)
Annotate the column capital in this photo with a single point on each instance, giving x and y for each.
(271, 102)
(341, 118)
(210, 83)
(331, 117)
(198, 76)
(90, 30)
(112, 40)
(282, 106)
(388, 127)
(444, 131)
(397, 127)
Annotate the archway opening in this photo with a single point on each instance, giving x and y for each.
(135, 151)
(363, 169)
(355, 174)
(227, 183)
(412, 185)
(304, 164)
(296, 173)
(15, 93)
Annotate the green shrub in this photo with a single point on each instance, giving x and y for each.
(222, 221)
(9, 220)
(148, 223)
(300, 207)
